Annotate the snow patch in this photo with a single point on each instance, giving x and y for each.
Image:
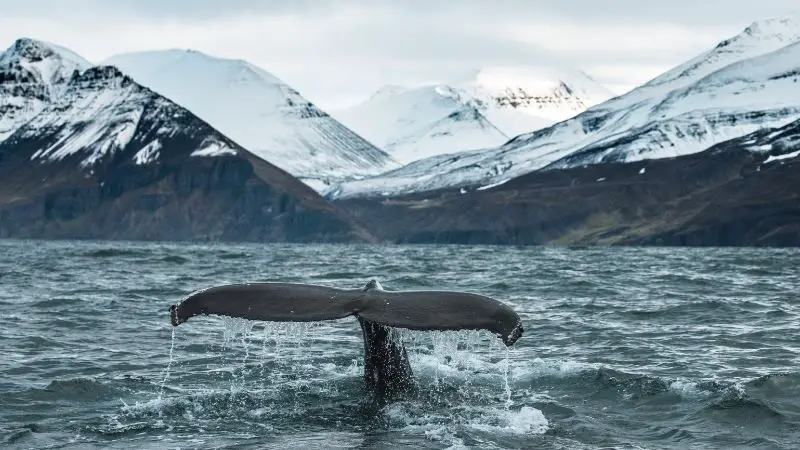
(489, 186)
(148, 154)
(780, 157)
(213, 149)
(92, 122)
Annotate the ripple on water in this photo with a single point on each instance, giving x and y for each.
(113, 253)
(174, 259)
(56, 302)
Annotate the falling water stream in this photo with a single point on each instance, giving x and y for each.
(169, 364)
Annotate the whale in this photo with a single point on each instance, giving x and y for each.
(387, 371)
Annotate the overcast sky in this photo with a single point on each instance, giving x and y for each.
(337, 52)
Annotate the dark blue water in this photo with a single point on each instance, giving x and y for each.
(624, 348)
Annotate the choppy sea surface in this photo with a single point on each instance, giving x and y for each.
(623, 348)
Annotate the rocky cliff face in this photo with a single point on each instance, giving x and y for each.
(220, 199)
(741, 192)
(110, 159)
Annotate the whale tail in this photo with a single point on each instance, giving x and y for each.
(387, 371)
(414, 310)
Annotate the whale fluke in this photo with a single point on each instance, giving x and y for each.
(386, 365)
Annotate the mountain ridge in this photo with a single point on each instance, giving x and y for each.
(510, 99)
(258, 111)
(110, 159)
(32, 73)
(741, 192)
(665, 117)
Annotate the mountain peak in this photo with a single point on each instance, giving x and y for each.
(387, 91)
(32, 74)
(35, 62)
(481, 109)
(759, 38)
(767, 33)
(535, 78)
(117, 143)
(30, 49)
(745, 84)
(258, 111)
(33, 51)
(552, 92)
(224, 69)
(775, 26)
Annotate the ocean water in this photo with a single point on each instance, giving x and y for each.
(623, 348)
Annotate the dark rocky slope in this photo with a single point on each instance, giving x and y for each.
(110, 159)
(734, 194)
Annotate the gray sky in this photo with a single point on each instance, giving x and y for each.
(337, 52)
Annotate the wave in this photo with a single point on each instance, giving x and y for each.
(681, 310)
(635, 385)
(232, 255)
(56, 302)
(341, 275)
(410, 282)
(741, 404)
(14, 435)
(174, 259)
(242, 407)
(39, 342)
(78, 389)
(780, 381)
(114, 253)
(500, 286)
(70, 391)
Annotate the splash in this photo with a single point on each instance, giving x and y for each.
(448, 425)
(273, 368)
(460, 354)
(527, 420)
(469, 365)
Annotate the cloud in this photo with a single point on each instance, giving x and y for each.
(614, 12)
(339, 51)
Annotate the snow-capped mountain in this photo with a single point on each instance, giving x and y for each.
(259, 112)
(760, 37)
(412, 124)
(103, 114)
(32, 74)
(549, 92)
(741, 192)
(744, 84)
(482, 110)
(109, 158)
